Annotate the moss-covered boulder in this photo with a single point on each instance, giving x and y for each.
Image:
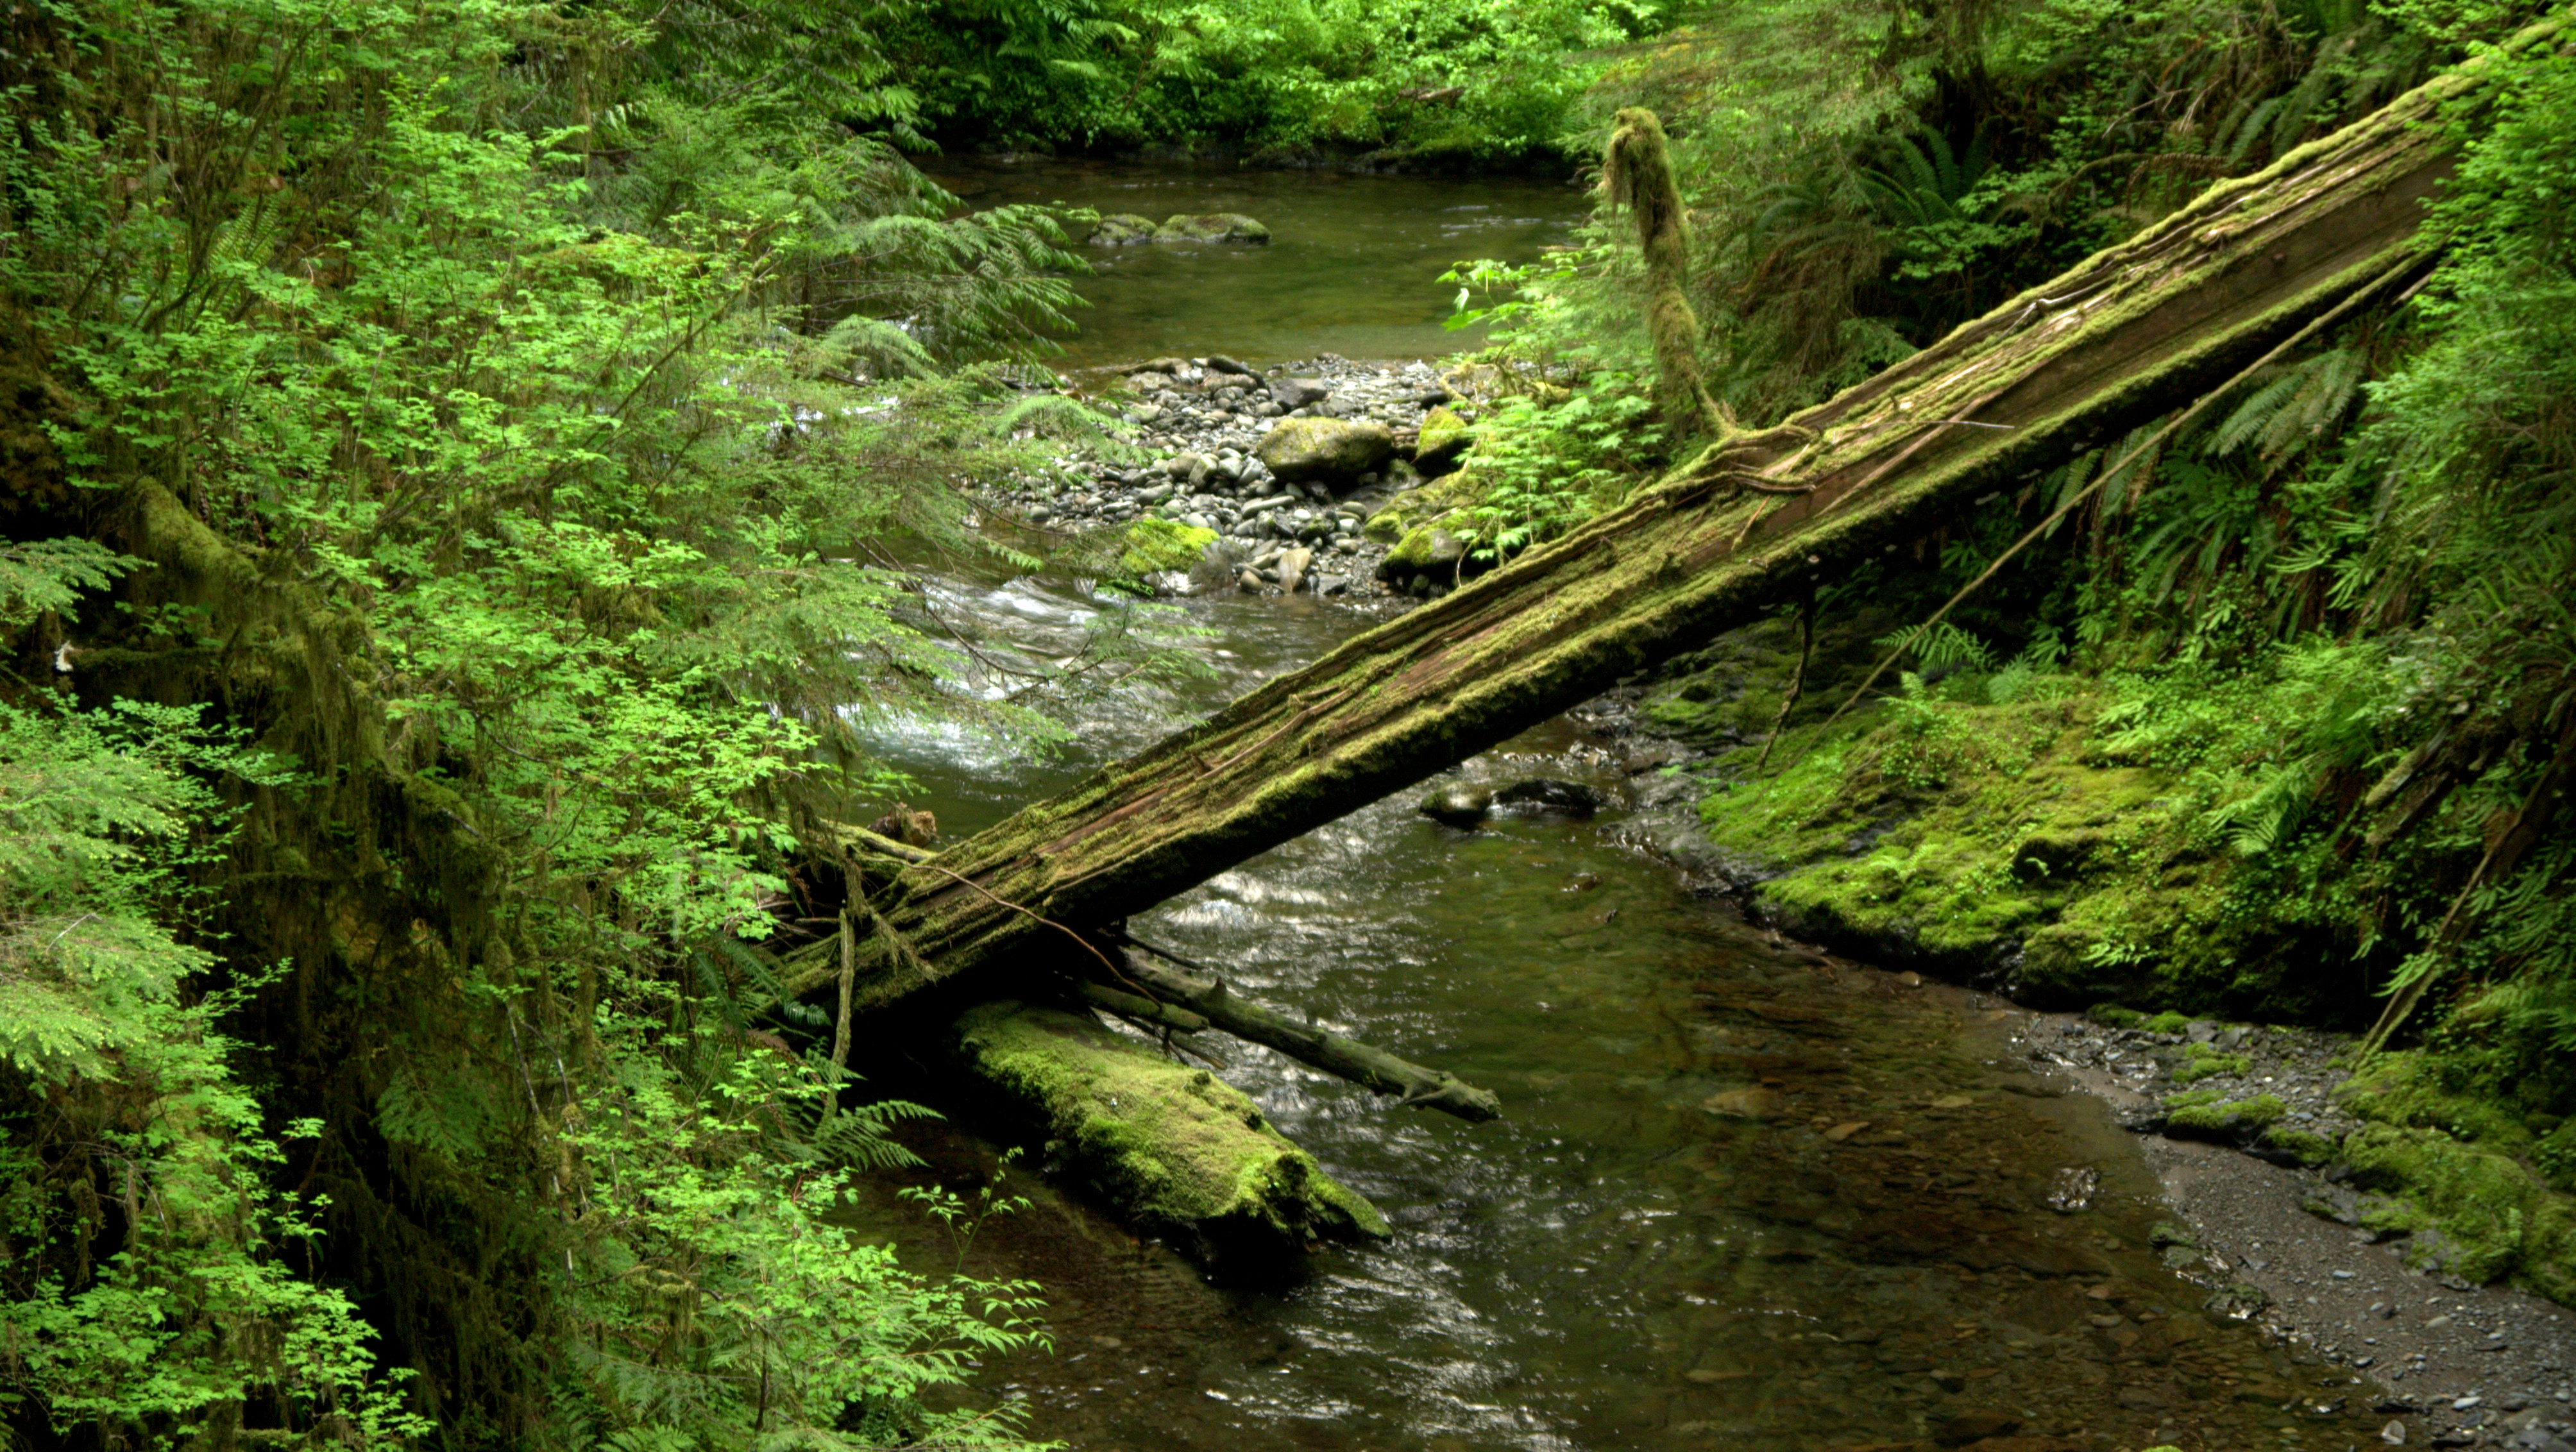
(1155, 545)
(1121, 229)
(2472, 1211)
(1212, 227)
(1443, 441)
(1408, 509)
(1329, 451)
(1171, 1147)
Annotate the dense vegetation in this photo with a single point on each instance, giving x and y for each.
(443, 444)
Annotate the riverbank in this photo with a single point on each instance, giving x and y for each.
(2269, 1218)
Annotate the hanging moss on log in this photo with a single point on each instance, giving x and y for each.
(1637, 171)
(2128, 334)
(1172, 1148)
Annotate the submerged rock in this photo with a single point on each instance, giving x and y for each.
(1458, 806)
(1323, 450)
(1212, 227)
(1173, 1148)
(1121, 229)
(1545, 794)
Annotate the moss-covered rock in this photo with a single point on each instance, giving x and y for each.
(1212, 227)
(1154, 545)
(1409, 509)
(1327, 451)
(2208, 1113)
(1171, 1147)
(1442, 441)
(1121, 229)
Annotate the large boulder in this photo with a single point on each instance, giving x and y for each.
(1443, 442)
(1326, 451)
(1121, 229)
(1212, 227)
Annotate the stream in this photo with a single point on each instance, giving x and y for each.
(1744, 1195)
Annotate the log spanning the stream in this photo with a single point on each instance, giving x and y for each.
(2130, 333)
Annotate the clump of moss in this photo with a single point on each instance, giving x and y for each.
(2208, 1112)
(2200, 1061)
(1155, 545)
(2112, 1015)
(2494, 1217)
(2167, 1022)
(2311, 1148)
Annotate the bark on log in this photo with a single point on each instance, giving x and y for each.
(1350, 1059)
(1170, 1147)
(2126, 335)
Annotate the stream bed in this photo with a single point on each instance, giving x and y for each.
(1744, 1195)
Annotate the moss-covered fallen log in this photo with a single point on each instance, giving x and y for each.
(1170, 1147)
(2132, 332)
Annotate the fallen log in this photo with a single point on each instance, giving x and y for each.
(1346, 1058)
(2130, 333)
(1171, 1148)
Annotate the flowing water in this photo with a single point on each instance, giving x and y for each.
(1743, 1196)
(1353, 264)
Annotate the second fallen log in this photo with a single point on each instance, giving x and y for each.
(1170, 1147)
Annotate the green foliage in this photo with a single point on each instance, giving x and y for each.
(511, 425)
(1541, 469)
(1329, 72)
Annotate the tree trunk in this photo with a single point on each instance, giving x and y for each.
(2130, 333)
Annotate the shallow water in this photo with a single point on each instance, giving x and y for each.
(1353, 266)
(1627, 1259)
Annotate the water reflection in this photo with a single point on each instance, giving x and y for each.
(1353, 266)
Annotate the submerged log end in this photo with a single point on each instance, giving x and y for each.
(1170, 1147)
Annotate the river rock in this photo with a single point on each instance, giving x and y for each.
(1121, 229)
(1442, 442)
(1219, 363)
(1292, 569)
(1169, 367)
(1457, 806)
(1299, 392)
(1544, 794)
(1327, 451)
(1212, 227)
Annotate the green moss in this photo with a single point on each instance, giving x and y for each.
(2200, 1061)
(2112, 1015)
(2422, 1090)
(2483, 1203)
(1974, 835)
(2205, 1111)
(1410, 511)
(1155, 545)
(1173, 1147)
(2311, 1148)
(2167, 1022)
